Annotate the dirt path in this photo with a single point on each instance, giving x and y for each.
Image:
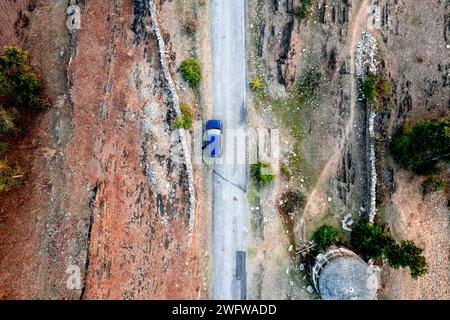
(317, 200)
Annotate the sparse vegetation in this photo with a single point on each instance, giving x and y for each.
(309, 82)
(375, 88)
(6, 176)
(190, 25)
(285, 171)
(3, 147)
(303, 9)
(256, 84)
(262, 173)
(7, 119)
(190, 71)
(184, 121)
(291, 201)
(434, 184)
(324, 237)
(424, 147)
(294, 112)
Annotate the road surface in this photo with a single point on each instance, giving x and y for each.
(229, 213)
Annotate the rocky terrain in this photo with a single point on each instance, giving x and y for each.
(415, 44)
(325, 136)
(105, 191)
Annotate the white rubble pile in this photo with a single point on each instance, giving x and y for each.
(365, 61)
(366, 50)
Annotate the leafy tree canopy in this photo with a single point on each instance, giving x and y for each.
(424, 147)
(19, 85)
(324, 237)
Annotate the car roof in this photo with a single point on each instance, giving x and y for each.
(214, 124)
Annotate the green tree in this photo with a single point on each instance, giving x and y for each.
(190, 71)
(262, 173)
(370, 240)
(324, 237)
(6, 176)
(19, 84)
(407, 255)
(425, 147)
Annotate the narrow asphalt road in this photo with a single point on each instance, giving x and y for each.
(230, 212)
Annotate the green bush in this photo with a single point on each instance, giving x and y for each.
(324, 237)
(6, 176)
(19, 85)
(256, 84)
(302, 11)
(262, 173)
(375, 88)
(184, 121)
(407, 255)
(368, 88)
(190, 71)
(370, 240)
(433, 184)
(425, 147)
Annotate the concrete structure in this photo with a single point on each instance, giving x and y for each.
(339, 274)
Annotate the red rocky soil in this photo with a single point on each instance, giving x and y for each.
(102, 188)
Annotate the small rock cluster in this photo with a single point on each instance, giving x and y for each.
(366, 50)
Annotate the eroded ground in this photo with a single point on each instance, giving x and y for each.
(104, 189)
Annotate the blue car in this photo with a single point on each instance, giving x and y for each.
(213, 138)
